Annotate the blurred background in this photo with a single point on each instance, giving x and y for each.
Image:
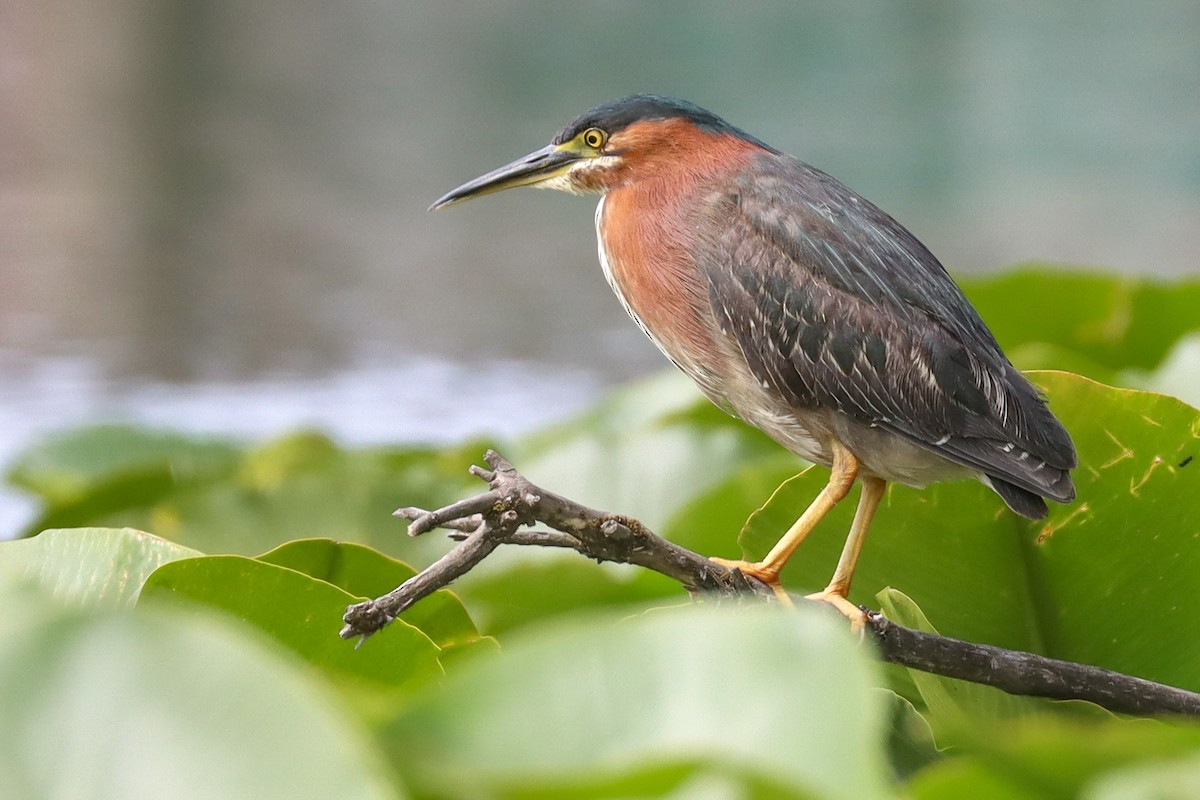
(212, 214)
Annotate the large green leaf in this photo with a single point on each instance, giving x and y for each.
(303, 486)
(1046, 756)
(88, 566)
(959, 710)
(666, 781)
(1178, 375)
(711, 522)
(68, 465)
(1176, 779)
(911, 743)
(102, 476)
(363, 572)
(962, 778)
(297, 486)
(105, 704)
(750, 691)
(644, 451)
(300, 612)
(1110, 580)
(517, 586)
(1120, 322)
(1128, 551)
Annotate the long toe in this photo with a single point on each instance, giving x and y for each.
(857, 617)
(755, 570)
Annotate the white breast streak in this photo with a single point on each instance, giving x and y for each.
(606, 265)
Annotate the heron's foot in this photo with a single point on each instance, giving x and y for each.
(756, 570)
(837, 598)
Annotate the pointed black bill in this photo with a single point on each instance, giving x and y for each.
(540, 165)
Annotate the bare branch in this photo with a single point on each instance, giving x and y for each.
(1025, 673)
(503, 514)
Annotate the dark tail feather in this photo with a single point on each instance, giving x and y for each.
(1022, 501)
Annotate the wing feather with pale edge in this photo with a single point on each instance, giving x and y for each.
(840, 307)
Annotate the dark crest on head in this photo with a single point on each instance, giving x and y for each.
(616, 115)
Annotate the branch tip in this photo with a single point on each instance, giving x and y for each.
(487, 476)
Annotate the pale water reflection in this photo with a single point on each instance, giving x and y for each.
(421, 400)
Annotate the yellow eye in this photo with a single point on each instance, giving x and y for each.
(594, 138)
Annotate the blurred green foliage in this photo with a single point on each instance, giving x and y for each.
(202, 660)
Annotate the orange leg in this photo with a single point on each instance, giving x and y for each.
(839, 585)
(841, 478)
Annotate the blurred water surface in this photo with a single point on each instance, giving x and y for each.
(212, 215)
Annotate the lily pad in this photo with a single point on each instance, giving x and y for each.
(300, 612)
(89, 566)
(104, 703)
(734, 692)
(363, 572)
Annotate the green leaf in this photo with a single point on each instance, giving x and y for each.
(1080, 585)
(911, 744)
(302, 613)
(68, 465)
(303, 486)
(216, 498)
(1127, 551)
(954, 708)
(103, 704)
(1052, 757)
(519, 586)
(363, 572)
(964, 778)
(644, 451)
(113, 500)
(88, 566)
(1173, 780)
(738, 691)
(666, 782)
(1120, 322)
(1043, 356)
(1178, 375)
(711, 523)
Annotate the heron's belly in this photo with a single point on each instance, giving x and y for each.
(809, 433)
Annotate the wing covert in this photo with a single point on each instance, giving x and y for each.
(836, 306)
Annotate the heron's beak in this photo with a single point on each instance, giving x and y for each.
(541, 165)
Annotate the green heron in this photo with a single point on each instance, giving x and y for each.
(803, 309)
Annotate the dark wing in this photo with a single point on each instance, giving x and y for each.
(838, 306)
